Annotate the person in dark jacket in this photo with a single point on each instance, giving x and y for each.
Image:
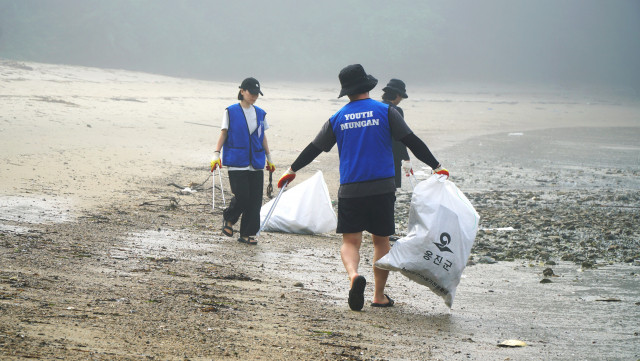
(244, 148)
(393, 94)
(363, 130)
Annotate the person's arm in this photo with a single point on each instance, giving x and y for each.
(306, 156)
(400, 131)
(265, 145)
(420, 150)
(402, 151)
(404, 155)
(215, 160)
(324, 141)
(221, 140)
(224, 126)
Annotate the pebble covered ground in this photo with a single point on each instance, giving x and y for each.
(550, 195)
(589, 229)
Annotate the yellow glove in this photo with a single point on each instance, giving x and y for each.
(270, 166)
(286, 178)
(215, 161)
(441, 171)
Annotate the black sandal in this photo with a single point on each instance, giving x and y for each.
(226, 229)
(388, 304)
(250, 241)
(356, 293)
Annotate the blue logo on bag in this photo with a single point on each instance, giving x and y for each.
(445, 239)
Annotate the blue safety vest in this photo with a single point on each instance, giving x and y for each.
(364, 142)
(242, 149)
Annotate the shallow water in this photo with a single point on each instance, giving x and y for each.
(35, 209)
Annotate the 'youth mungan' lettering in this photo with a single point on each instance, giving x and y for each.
(361, 115)
(360, 124)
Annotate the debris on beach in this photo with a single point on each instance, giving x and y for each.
(512, 343)
(188, 190)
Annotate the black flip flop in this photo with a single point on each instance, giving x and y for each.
(227, 230)
(356, 293)
(251, 241)
(388, 304)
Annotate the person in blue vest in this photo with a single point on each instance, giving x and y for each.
(393, 94)
(245, 152)
(363, 130)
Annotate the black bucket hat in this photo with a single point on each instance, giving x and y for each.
(354, 80)
(252, 85)
(396, 85)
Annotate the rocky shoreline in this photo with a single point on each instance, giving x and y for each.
(589, 228)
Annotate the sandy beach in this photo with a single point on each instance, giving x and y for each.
(104, 256)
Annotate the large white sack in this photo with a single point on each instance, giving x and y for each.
(442, 228)
(305, 208)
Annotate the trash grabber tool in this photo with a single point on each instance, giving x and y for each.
(213, 191)
(411, 181)
(270, 186)
(221, 189)
(412, 177)
(415, 179)
(273, 206)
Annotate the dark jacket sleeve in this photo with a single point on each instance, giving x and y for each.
(420, 150)
(399, 149)
(306, 156)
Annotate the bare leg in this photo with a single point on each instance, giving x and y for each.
(350, 253)
(380, 248)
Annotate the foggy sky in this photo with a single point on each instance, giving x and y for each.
(560, 42)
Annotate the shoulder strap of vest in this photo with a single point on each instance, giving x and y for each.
(233, 106)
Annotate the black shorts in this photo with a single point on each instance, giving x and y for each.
(374, 214)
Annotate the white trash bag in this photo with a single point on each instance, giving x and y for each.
(442, 228)
(305, 209)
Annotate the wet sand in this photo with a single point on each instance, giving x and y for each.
(103, 258)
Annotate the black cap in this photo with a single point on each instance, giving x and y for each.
(354, 80)
(396, 85)
(252, 85)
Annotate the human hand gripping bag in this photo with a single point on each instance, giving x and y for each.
(442, 227)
